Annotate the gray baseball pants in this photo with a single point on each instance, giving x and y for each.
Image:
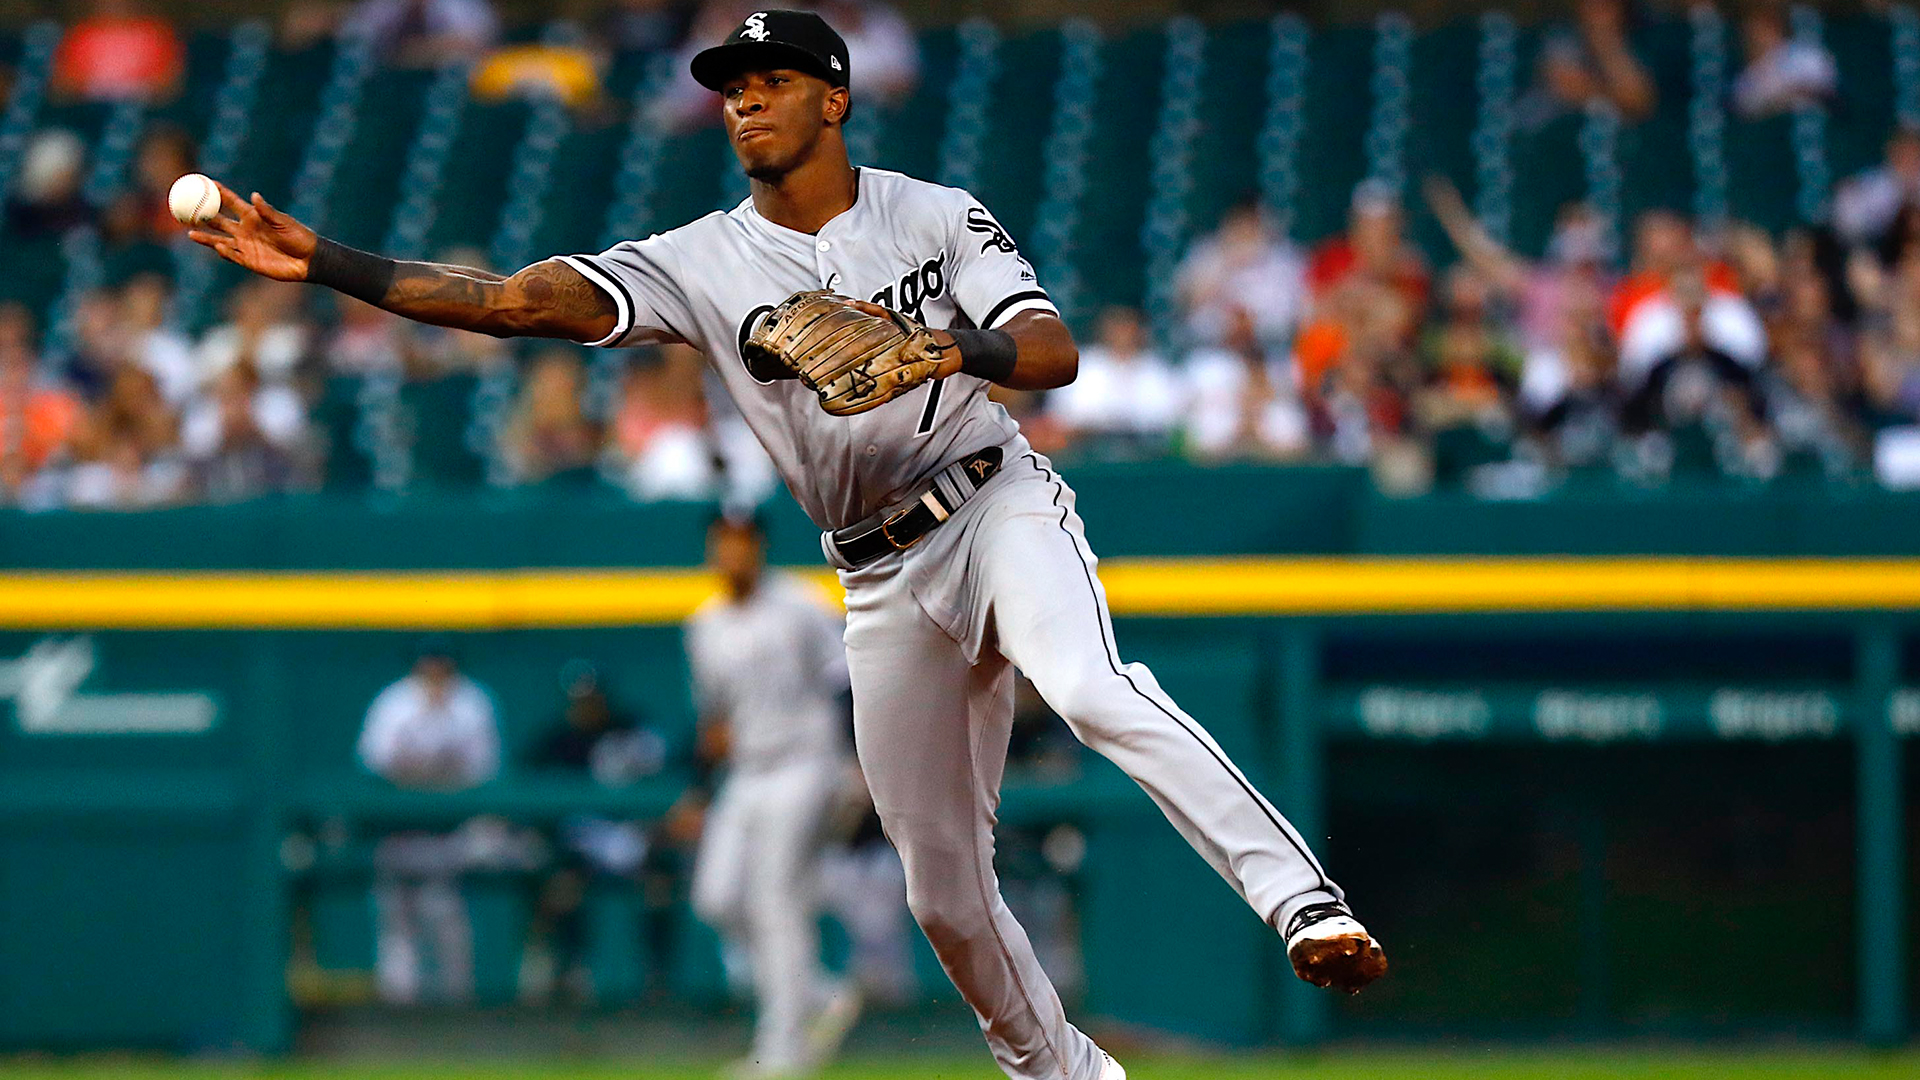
(933, 637)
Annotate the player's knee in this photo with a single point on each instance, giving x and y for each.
(1083, 696)
(949, 918)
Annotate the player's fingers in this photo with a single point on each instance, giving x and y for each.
(231, 202)
(267, 212)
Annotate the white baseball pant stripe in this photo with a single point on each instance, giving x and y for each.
(933, 636)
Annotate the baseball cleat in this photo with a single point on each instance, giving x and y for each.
(1112, 1069)
(829, 1027)
(1329, 947)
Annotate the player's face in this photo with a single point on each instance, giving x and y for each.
(736, 554)
(776, 118)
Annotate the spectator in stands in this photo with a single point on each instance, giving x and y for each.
(433, 730)
(548, 432)
(1665, 322)
(118, 51)
(1127, 399)
(1244, 402)
(264, 329)
(1866, 204)
(1586, 63)
(154, 346)
(1814, 415)
(127, 450)
(591, 739)
(424, 33)
(98, 348)
(658, 437)
(1472, 364)
(1689, 364)
(47, 200)
(37, 415)
(245, 437)
(1244, 265)
(1784, 72)
(1663, 247)
(1567, 391)
(1374, 251)
(1540, 292)
(1890, 342)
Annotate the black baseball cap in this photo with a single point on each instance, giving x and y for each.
(799, 40)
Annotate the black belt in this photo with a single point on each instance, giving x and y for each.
(861, 544)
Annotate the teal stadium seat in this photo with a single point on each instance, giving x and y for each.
(367, 186)
(1857, 130)
(1656, 156)
(910, 132)
(476, 179)
(1339, 107)
(1232, 101)
(1008, 181)
(1446, 59)
(1107, 250)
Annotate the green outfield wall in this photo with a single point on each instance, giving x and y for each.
(1615, 762)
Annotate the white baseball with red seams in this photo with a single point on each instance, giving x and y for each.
(194, 199)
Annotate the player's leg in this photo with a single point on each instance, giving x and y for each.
(783, 908)
(932, 732)
(719, 891)
(398, 862)
(1050, 618)
(443, 909)
(396, 941)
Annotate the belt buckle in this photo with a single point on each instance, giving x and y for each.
(886, 530)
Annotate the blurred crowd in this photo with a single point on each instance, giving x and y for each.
(1702, 348)
(1722, 351)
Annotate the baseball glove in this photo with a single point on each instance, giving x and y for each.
(853, 360)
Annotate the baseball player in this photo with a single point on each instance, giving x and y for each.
(770, 671)
(857, 317)
(434, 729)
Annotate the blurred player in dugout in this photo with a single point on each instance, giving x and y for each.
(770, 678)
(434, 729)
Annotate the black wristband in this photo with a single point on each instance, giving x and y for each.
(986, 354)
(359, 274)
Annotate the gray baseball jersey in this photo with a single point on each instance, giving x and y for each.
(935, 631)
(772, 665)
(929, 251)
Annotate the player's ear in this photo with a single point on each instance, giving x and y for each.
(838, 105)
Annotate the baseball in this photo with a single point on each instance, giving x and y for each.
(193, 199)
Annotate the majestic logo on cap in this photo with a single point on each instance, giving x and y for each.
(755, 27)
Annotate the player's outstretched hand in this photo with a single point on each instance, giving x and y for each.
(258, 237)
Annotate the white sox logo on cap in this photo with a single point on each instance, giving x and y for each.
(755, 27)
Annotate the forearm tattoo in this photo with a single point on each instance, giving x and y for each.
(547, 299)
